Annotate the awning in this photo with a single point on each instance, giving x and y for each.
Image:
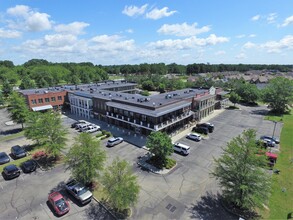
(271, 155)
(41, 108)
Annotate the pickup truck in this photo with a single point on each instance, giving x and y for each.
(78, 191)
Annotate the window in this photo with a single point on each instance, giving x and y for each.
(40, 100)
(47, 100)
(143, 118)
(59, 97)
(34, 101)
(53, 99)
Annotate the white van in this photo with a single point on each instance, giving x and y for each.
(181, 148)
(83, 127)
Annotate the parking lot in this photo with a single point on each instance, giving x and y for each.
(186, 192)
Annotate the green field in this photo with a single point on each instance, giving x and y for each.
(281, 200)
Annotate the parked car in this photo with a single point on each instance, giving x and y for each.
(59, 203)
(207, 125)
(181, 148)
(78, 191)
(18, 152)
(83, 127)
(92, 128)
(80, 125)
(4, 158)
(195, 137)
(114, 141)
(73, 125)
(11, 171)
(200, 130)
(276, 140)
(29, 166)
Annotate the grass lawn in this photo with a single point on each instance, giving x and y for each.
(15, 162)
(281, 200)
(12, 136)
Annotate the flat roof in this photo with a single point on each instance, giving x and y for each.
(41, 108)
(154, 113)
(82, 87)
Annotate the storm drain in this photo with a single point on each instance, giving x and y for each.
(170, 207)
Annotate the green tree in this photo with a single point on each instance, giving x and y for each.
(249, 93)
(47, 130)
(7, 88)
(121, 184)
(27, 83)
(1, 98)
(17, 108)
(160, 144)
(86, 158)
(240, 172)
(234, 98)
(279, 94)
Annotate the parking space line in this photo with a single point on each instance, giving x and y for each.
(1, 186)
(45, 210)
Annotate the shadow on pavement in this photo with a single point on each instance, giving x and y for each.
(209, 208)
(11, 131)
(96, 212)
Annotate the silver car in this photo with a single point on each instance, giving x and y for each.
(114, 141)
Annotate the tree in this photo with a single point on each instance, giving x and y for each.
(121, 184)
(7, 88)
(17, 108)
(160, 144)
(86, 158)
(249, 93)
(240, 172)
(27, 83)
(234, 98)
(278, 94)
(47, 130)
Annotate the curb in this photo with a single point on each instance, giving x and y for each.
(114, 216)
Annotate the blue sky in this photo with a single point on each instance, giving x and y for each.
(112, 32)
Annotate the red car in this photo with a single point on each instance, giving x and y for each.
(59, 203)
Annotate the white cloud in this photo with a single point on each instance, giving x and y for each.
(59, 40)
(134, 10)
(75, 28)
(220, 52)
(252, 35)
(248, 45)
(240, 56)
(255, 18)
(156, 13)
(271, 18)
(240, 36)
(287, 21)
(277, 46)
(129, 31)
(183, 29)
(111, 43)
(188, 43)
(9, 33)
(25, 18)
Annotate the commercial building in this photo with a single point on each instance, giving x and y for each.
(117, 103)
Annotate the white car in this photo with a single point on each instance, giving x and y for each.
(92, 128)
(114, 141)
(195, 137)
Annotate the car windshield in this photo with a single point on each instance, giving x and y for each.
(61, 204)
(81, 191)
(112, 140)
(3, 155)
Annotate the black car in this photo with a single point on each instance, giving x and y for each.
(200, 130)
(207, 125)
(11, 171)
(29, 166)
(4, 158)
(17, 152)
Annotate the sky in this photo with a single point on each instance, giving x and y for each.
(115, 32)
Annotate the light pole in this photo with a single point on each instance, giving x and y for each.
(273, 136)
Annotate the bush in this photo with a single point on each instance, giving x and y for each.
(39, 154)
(99, 135)
(170, 163)
(107, 133)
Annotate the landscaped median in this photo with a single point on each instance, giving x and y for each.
(281, 201)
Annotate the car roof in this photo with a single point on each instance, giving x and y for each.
(56, 196)
(11, 167)
(3, 154)
(16, 147)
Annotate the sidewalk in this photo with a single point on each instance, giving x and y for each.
(182, 134)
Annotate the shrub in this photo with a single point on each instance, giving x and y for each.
(39, 154)
(170, 163)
